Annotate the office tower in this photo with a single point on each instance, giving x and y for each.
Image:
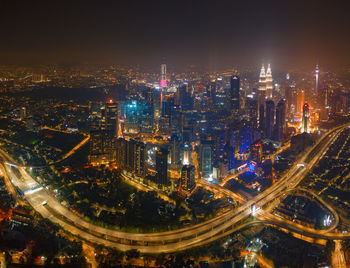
(245, 139)
(305, 127)
(121, 153)
(140, 159)
(176, 122)
(110, 126)
(189, 123)
(157, 99)
(269, 82)
(229, 156)
(164, 126)
(103, 132)
(261, 122)
(188, 179)
(300, 100)
(317, 71)
(326, 96)
(256, 152)
(163, 74)
(168, 105)
(206, 158)
(174, 151)
(219, 139)
(269, 118)
(220, 99)
(337, 101)
(212, 90)
(111, 118)
(162, 167)
(149, 99)
(234, 92)
(130, 154)
(187, 155)
(102, 147)
(280, 119)
(185, 97)
(288, 97)
(251, 110)
(98, 154)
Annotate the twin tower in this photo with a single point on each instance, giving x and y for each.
(265, 82)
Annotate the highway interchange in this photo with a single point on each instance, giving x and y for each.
(47, 205)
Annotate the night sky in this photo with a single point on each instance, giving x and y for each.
(214, 33)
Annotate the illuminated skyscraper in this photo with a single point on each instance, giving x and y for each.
(112, 118)
(305, 127)
(262, 85)
(206, 158)
(121, 153)
(261, 97)
(187, 157)
(229, 156)
(175, 151)
(162, 167)
(163, 74)
(104, 132)
(251, 110)
(256, 152)
(269, 118)
(188, 180)
(300, 100)
(261, 122)
(269, 82)
(280, 119)
(157, 101)
(234, 92)
(245, 139)
(163, 86)
(317, 71)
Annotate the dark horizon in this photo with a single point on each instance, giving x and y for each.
(208, 33)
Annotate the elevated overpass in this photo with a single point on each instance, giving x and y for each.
(47, 205)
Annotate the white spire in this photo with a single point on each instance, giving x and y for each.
(269, 83)
(268, 71)
(262, 79)
(262, 74)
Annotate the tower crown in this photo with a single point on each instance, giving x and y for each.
(262, 74)
(268, 71)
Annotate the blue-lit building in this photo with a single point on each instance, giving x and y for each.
(245, 139)
(136, 117)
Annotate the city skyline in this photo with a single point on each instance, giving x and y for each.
(175, 134)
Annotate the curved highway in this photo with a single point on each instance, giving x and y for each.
(170, 241)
